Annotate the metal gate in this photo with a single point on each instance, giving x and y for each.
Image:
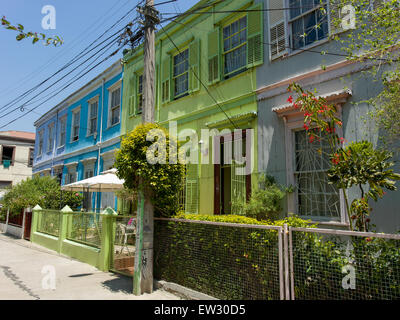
(123, 258)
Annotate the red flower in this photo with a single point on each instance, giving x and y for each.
(368, 239)
(296, 106)
(342, 140)
(305, 126)
(77, 194)
(367, 220)
(321, 110)
(312, 139)
(304, 94)
(339, 123)
(290, 99)
(307, 114)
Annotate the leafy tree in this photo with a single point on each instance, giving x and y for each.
(44, 191)
(374, 41)
(22, 34)
(162, 181)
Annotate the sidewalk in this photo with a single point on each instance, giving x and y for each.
(21, 277)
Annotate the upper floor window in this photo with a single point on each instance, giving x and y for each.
(7, 155)
(308, 23)
(40, 143)
(76, 118)
(30, 158)
(92, 120)
(50, 137)
(63, 131)
(235, 48)
(181, 74)
(115, 106)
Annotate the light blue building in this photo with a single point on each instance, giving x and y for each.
(77, 138)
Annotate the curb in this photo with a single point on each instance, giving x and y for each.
(181, 291)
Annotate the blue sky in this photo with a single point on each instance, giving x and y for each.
(24, 65)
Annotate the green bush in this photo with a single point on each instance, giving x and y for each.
(161, 181)
(265, 202)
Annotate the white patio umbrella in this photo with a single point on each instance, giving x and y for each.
(107, 181)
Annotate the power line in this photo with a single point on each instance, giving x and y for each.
(76, 58)
(82, 36)
(111, 55)
(63, 77)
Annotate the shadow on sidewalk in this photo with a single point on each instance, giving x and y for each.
(121, 283)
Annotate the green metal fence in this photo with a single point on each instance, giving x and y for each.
(123, 257)
(226, 261)
(85, 227)
(49, 222)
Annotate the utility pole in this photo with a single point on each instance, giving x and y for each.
(143, 273)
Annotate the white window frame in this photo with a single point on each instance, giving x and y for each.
(61, 143)
(74, 112)
(90, 103)
(288, 29)
(50, 137)
(293, 124)
(111, 89)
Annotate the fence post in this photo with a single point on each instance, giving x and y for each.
(62, 233)
(8, 215)
(286, 259)
(107, 237)
(23, 224)
(35, 220)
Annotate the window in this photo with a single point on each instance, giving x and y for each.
(71, 175)
(40, 146)
(63, 131)
(7, 155)
(235, 47)
(115, 106)
(139, 95)
(89, 172)
(181, 74)
(315, 197)
(50, 137)
(30, 159)
(76, 118)
(307, 23)
(92, 120)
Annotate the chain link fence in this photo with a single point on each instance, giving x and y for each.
(227, 261)
(85, 227)
(124, 245)
(49, 222)
(344, 265)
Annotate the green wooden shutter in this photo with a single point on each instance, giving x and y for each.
(192, 189)
(255, 42)
(194, 62)
(166, 80)
(214, 74)
(132, 93)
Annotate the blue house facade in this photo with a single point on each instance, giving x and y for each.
(78, 137)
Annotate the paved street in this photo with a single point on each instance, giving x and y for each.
(22, 264)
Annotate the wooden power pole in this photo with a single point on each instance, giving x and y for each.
(143, 274)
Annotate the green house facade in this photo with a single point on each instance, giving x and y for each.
(206, 80)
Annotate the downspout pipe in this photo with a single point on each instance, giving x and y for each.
(99, 143)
